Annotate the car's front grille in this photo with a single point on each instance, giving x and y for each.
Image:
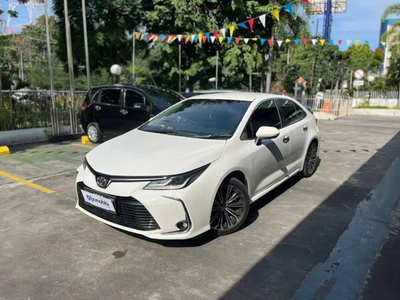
(129, 211)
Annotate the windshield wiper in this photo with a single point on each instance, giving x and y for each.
(216, 136)
(174, 132)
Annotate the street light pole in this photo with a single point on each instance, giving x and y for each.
(216, 71)
(180, 67)
(86, 44)
(133, 56)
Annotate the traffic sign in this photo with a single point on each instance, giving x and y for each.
(359, 74)
(358, 82)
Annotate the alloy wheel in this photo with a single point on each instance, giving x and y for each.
(228, 209)
(311, 159)
(92, 133)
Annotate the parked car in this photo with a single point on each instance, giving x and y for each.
(22, 96)
(198, 165)
(200, 92)
(116, 109)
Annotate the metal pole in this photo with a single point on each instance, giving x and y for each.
(250, 83)
(53, 99)
(133, 56)
(22, 67)
(180, 67)
(351, 79)
(70, 64)
(86, 44)
(216, 71)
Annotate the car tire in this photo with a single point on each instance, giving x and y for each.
(93, 132)
(311, 160)
(229, 212)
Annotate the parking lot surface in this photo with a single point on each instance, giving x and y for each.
(49, 250)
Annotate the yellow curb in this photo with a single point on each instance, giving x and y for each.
(85, 140)
(4, 150)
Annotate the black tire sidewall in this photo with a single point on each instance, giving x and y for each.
(99, 134)
(305, 172)
(237, 183)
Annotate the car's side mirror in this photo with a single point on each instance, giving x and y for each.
(140, 106)
(265, 133)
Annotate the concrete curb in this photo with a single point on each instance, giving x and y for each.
(28, 136)
(376, 112)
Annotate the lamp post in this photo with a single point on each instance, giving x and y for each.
(116, 71)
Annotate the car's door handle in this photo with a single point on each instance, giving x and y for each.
(305, 128)
(97, 107)
(123, 111)
(286, 139)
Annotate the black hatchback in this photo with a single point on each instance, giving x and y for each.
(111, 110)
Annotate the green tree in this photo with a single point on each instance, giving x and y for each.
(360, 57)
(391, 10)
(377, 59)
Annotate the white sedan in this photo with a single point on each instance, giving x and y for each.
(198, 165)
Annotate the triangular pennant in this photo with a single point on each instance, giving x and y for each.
(148, 37)
(163, 38)
(173, 39)
(142, 37)
(271, 42)
(216, 34)
(306, 1)
(279, 43)
(200, 37)
(348, 42)
(192, 38)
(169, 38)
(212, 39)
(196, 38)
(275, 13)
(246, 40)
(223, 31)
(221, 39)
(262, 19)
(322, 41)
(251, 23)
(243, 25)
(231, 29)
(367, 42)
(297, 42)
(179, 36)
(137, 35)
(266, 56)
(187, 37)
(237, 40)
(314, 41)
(262, 41)
(305, 41)
(331, 42)
(340, 42)
(208, 36)
(254, 39)
(357, 42)
(229, 39)
(287, 41)
(155, 37)
(289, 8)
(204, 39)
(383, 44)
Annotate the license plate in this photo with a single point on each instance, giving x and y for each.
(99, 201)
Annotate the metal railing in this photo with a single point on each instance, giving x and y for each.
(338, 105)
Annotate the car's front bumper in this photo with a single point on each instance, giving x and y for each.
(168, 208)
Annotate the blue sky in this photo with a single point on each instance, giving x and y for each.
(362, 21)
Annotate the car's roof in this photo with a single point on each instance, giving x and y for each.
(137, 86)
(241, 96)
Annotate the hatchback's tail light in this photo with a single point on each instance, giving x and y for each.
(84, 106)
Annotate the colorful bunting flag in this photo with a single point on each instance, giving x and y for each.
(271, 42)
(367, 42)
(221, 39)
(251, 23)
(348, 43)
(314, 41)
(231, 29)
(297, 42)
(204, 38)
(196, 38)
(331, 42)
(163, 38)
(243, 25)
(155, 37)
(169, 38)
(322, 41)
(142, 36)
(213, 39)
(305, 41)
(306, 1)
(287, 41)
(208, 36)
(289, 8)
(340, 42)
(357, 42)
(173, 39)
(275, 13)
(262, 41)
(262, 19)
(246, 40)
(237, 40)
(137, 34)
(266, 56)
(193, 37)
(223, 31)
(279, 43)
(179, 36)
(200, 37)
(187, 37)
(229, 39)
(254, 39)
(216, 34)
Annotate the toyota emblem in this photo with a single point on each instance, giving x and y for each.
(102, 182)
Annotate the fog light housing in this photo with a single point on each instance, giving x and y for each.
(182, 225)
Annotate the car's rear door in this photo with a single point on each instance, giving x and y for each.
(107, 110)
(135, 110)
(269, 157)
(294, 119)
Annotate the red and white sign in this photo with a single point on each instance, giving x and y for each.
(359, 74)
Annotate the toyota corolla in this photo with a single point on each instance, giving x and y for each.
(198, 165)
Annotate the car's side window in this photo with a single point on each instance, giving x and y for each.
(110, 97)
(288, 111)
(300, 112)
(132, 97)
(266, 114)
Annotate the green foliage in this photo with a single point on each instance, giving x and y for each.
(360, 57)
(391, 10)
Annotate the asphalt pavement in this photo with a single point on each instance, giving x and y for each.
(49, 250)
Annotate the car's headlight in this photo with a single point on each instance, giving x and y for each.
(175, 182)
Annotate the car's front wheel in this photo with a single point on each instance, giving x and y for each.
(93, 132)
(310, 163)
(231, 207)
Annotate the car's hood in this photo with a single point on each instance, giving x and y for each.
(140, 153)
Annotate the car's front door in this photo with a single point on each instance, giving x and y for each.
(135, 111)
(294, 120)
(269, 157)
(107, 110)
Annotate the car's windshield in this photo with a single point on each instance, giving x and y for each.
(201, 118)
(163, 98)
